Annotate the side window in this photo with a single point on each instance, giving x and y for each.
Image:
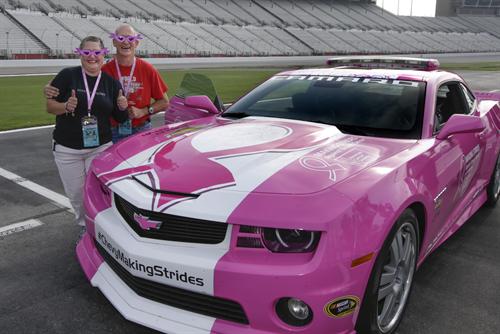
(450, 100)
(469, 98)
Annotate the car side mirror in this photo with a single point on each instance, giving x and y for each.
(461, 124)
(201, 102)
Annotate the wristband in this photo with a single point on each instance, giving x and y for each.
(68, 111)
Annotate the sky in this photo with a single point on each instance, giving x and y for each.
(409, 7)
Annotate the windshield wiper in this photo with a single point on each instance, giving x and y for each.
(240, 114)
(351, 129)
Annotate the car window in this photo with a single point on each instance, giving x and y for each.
(469, 97)
(450, 99)
(364, 106)
(199, 84)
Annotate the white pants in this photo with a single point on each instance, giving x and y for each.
(73, 165)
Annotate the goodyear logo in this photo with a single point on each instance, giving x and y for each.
(342, 306)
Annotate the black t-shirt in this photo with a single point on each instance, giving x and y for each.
(68, 130)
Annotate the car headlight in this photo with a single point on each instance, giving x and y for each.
(281, 240)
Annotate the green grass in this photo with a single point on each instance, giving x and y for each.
(486, 66)
(22, 103)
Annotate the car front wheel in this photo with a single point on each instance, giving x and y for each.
(391, 280)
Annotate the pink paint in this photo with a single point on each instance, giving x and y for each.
(88, 256)
(145, 223)
(350, 188)
(201, 102)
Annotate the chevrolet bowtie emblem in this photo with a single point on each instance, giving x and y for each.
(145, 223)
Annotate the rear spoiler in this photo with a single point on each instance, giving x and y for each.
(421, 64)
(494, 95)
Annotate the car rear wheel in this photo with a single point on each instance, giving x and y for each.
(391, 280)
(493, 189)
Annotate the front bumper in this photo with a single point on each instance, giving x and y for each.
(254, 281)
(135, 308)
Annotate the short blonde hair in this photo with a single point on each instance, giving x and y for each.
(91, 39)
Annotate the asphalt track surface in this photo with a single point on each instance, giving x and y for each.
(43, 289)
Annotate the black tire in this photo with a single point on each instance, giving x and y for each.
(371, 315)
(493, 189)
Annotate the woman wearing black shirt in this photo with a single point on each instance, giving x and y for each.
(87, 100)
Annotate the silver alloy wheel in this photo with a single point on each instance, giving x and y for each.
(397, 277)
(496, 179)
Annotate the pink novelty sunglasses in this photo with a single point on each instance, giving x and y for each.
(123, 38)
(87, 52)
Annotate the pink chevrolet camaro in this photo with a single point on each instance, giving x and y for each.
(305, 207)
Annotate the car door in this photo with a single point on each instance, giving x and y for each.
(192, 84)
(455, 160)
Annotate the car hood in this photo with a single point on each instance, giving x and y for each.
(254, 154)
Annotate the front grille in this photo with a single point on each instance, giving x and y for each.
(173, 228)
(176, 297)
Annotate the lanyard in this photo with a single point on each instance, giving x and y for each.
(90, 98)
(126, 89)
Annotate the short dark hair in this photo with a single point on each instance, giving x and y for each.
(92, 39)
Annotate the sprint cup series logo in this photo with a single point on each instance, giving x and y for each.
(341, 307)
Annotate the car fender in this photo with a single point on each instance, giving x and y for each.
(375, 212)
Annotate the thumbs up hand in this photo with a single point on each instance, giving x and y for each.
(72, 102)
(121, 101)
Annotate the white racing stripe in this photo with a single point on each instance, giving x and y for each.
(183, 265)
(19, 227)
(58, 199)
(163, 318)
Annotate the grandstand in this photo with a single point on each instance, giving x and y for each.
(176, 28)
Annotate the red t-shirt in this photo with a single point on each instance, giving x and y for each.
(146, 84)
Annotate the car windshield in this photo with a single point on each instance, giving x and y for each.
(357, 105)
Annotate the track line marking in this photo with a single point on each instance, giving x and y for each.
(19, 227)
(48, 126)
(58, 199)
(27, 129)
(26, 75)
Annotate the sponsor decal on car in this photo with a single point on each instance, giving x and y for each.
(334, 159)
(354, 79)
(148, 269)
(342, 306)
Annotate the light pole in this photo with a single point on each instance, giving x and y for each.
(7, 40)
(41, 38)
(57, 43)
(71, 43)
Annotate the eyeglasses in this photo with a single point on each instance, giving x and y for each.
(123, 38)
(87, 52)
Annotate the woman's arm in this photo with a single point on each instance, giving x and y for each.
(59, 108)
